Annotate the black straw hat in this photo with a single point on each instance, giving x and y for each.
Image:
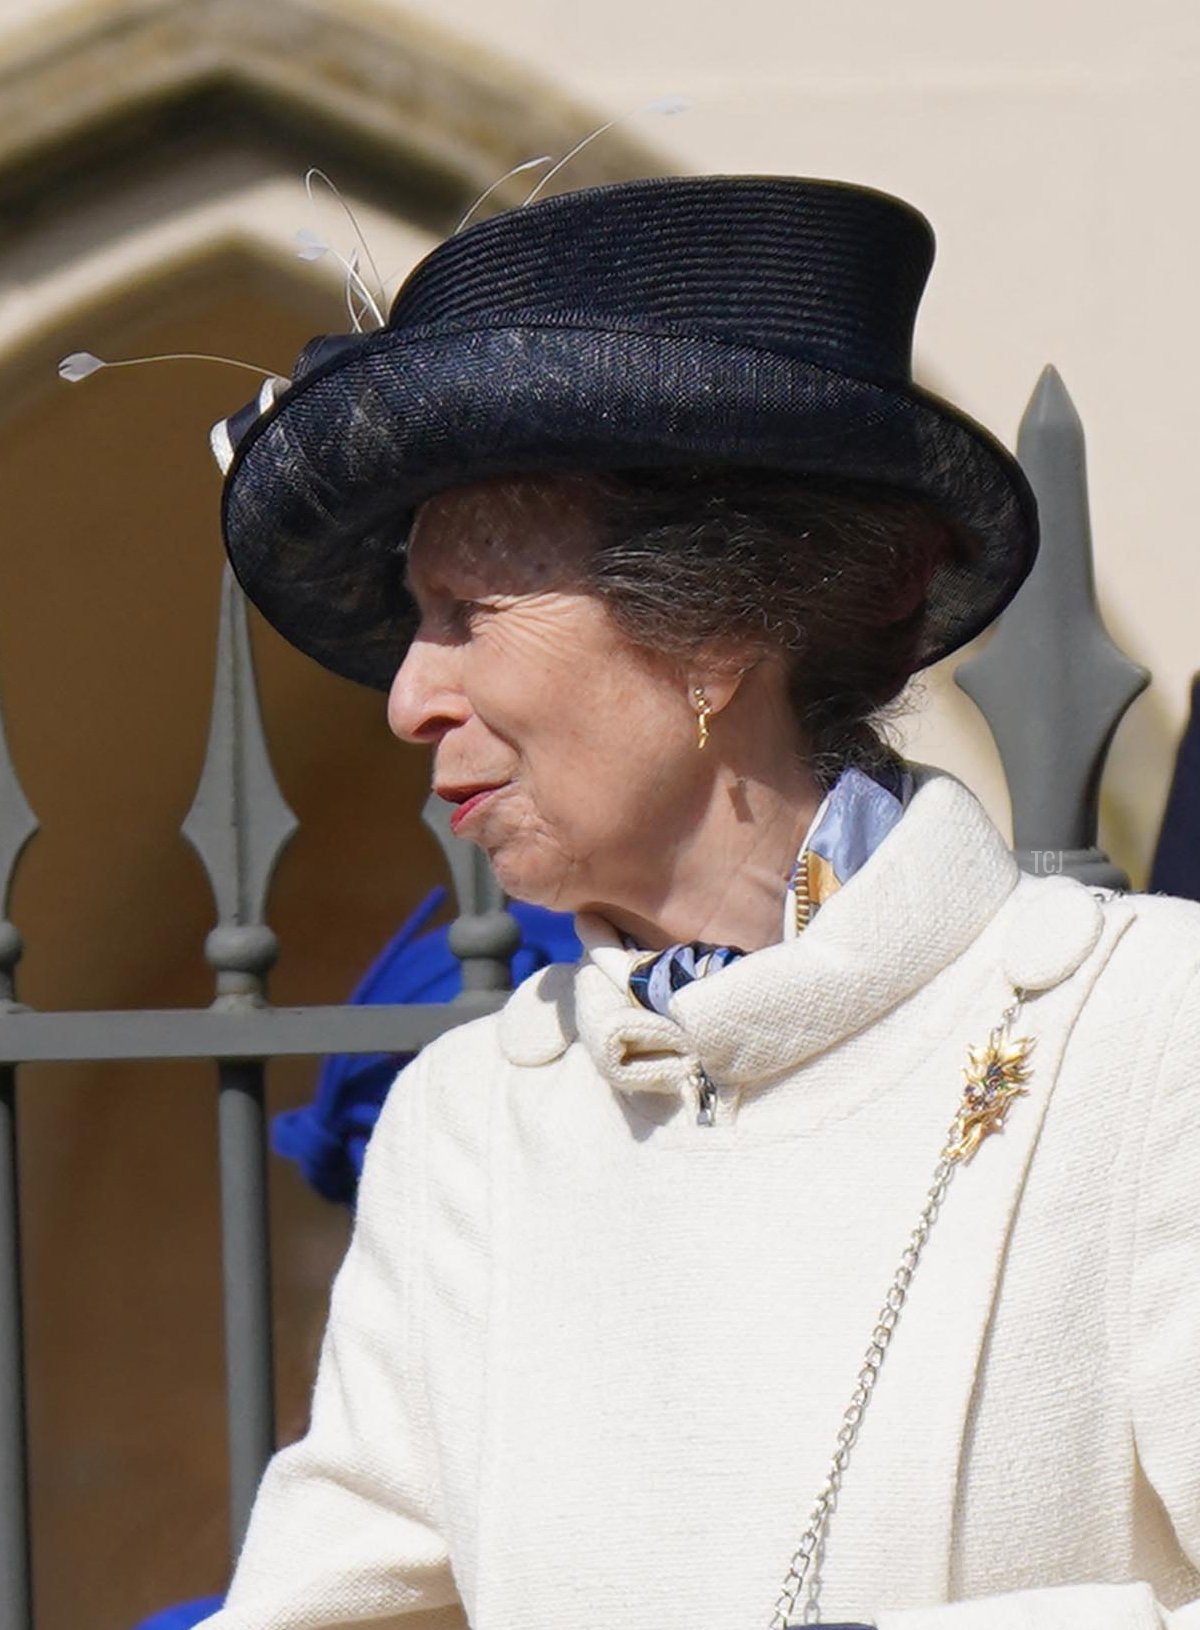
(754, 321)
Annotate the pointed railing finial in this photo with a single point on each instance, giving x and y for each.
(18, 824)
(484, 935)
(1050, 682)
(239, 823)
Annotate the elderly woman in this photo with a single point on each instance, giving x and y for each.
(694, 1288)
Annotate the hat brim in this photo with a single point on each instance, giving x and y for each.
(321, 494)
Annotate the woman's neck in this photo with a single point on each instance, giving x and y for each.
(725, 881)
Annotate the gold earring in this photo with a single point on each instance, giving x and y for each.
(703, 709)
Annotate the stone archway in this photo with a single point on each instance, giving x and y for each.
(129, 133)
(398, 99)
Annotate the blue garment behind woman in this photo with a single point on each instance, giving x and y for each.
(1177, 857)
(327, 1138)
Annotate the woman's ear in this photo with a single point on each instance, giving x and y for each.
(718, 682)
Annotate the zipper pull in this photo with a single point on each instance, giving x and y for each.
(706, 1093)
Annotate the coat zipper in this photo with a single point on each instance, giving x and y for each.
(706, 1096)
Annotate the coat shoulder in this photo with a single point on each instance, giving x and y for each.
(1167, 917)
(1161, 946)
(1149, 985)
(535, 1026)
(1055, 923)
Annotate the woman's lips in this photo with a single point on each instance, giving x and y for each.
(467, 805)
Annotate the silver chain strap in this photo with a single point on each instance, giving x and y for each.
(804, 1569)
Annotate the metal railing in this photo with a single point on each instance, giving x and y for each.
(1049, 682)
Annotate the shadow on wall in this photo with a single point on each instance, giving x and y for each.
(108, 603)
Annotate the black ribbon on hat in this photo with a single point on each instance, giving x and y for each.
(226, 435)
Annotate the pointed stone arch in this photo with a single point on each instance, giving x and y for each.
(397, 100)
(139, 142)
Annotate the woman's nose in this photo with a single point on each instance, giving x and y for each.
(426, 698)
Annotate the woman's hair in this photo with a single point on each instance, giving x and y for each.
(829, 576)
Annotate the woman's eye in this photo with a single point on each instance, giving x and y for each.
(455, 615)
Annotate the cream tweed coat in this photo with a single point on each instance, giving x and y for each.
(586, 1359)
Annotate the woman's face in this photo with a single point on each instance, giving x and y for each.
(562, 744)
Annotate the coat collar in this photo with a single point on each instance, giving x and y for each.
(929, 890)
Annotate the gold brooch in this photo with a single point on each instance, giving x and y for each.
(995, 1076)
